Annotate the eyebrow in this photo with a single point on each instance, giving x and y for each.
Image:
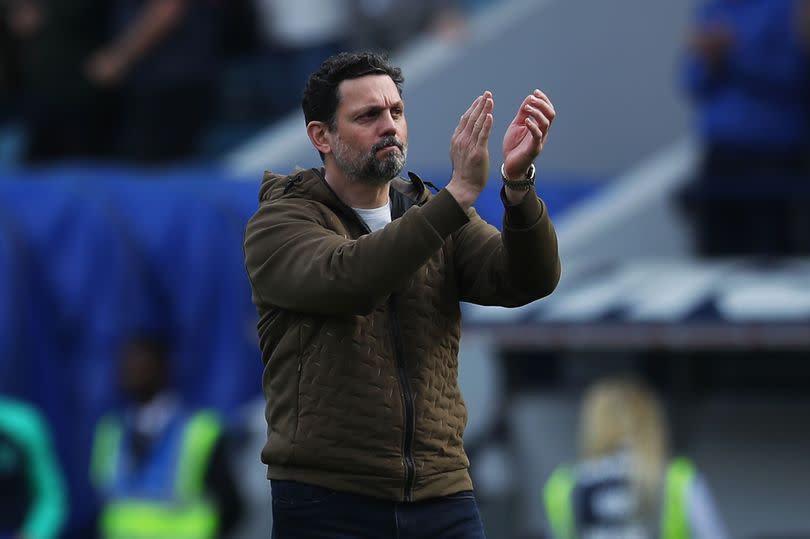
(377, 108)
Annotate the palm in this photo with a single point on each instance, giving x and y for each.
(519, 147)
(526, 135)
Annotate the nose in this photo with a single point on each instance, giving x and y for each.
(388, 126)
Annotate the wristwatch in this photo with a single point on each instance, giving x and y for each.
(519, 185)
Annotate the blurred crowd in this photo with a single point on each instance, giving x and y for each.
(159, 468)
(747, 73)
(160, 81)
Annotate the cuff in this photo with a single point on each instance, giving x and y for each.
(525, 214)
(444, 213)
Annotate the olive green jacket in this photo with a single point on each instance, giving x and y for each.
(359, 330)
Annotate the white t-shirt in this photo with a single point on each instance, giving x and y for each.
(375, 218)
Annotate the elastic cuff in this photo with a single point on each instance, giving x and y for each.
(444, 213)
(526, 213)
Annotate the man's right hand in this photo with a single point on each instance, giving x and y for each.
(469, 151)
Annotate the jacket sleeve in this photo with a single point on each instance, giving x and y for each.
(296, 263)
(509, 268)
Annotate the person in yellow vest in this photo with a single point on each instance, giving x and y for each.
(625, 485)
(160, 469)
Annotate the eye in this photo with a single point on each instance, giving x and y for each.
(396, 112)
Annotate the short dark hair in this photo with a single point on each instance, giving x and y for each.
(321, 99)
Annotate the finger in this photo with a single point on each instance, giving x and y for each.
(545, 106)
(466, 116)
(486, 109)
(537, 134)
(542, 101)
(541, 95)
(475, 110)
(533, 102)
(474, 122)
(526, 101)
(536, 98)
(486, 129)
(539, 118)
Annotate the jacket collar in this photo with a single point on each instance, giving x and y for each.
(311, 184)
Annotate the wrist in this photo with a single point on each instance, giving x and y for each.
(510, 175)
(520, 183)
(464, 196)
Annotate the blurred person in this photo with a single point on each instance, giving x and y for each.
(357, 275)
(32, 491)
(389, 24)
(747, 73)
(625, 485)
(62, 110)
(160, 468)
(164, 56)
(295, 44)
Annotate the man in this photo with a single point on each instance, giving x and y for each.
(63, 111)
(357, 275)
(160, 468)
(164, 56)
(746, 72)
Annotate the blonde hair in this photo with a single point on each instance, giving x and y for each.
(623, 414)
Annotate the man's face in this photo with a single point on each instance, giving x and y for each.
(370, 140)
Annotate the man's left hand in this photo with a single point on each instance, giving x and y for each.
(526, 135)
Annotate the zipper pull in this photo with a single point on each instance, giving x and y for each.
(291, 182)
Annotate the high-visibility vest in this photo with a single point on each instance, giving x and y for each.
(165, 497)
(674, 520)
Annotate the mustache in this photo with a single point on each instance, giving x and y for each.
(387, 141)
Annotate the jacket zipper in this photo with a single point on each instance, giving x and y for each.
(404, 384)
(407, 403)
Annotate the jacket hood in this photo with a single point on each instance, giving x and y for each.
(311, 184)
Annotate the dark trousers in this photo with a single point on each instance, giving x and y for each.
(747, 201)
(303, 511)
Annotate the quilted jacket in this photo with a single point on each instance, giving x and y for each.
(359, 330)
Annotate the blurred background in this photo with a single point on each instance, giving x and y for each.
(133, 136)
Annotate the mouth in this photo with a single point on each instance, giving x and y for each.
(387, 145)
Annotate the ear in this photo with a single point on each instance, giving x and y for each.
(318, 133)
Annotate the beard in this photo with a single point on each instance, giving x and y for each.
(360, 167)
